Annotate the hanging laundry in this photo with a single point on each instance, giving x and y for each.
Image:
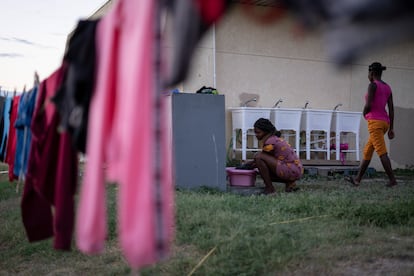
(122, 137)
(354, 28)
(191, 20)
(73, 98)
(6, 126)
(2, 105)
(19, 128)
(23, 133)
(12, 140)
(48, 196)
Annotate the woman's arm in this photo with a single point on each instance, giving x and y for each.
(371, 93)
(390, 103)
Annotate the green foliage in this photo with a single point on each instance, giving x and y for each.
(233, 162)
(407, 171)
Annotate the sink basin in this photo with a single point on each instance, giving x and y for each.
(317, 120)
(348, 121)
(317, 124)
(344, 122)
(287, 119)
(243, 118)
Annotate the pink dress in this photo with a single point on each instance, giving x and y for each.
(122, 137)
(289, 166)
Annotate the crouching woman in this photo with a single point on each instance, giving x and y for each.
(277, 161)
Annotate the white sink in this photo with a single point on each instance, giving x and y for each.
(344, 122)
(317, 120)
(287, 119)
(315, 123)
(243, 118)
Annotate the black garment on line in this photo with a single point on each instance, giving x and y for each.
(188, 27)
(73, 98)
(353, 28)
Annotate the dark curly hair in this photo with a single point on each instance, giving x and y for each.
(376, 67)
(266, 126)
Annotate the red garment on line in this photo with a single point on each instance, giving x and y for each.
(51, 173)
(12, 140)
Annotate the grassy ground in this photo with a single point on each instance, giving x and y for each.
(328, 228)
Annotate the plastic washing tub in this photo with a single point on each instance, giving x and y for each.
(244, 178)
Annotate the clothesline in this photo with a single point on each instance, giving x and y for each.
(9, 93)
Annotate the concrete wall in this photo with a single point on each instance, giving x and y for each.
(244, 58)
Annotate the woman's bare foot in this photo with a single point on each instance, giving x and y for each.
(391, 184)
(291, 187)
(269, 191)
(352, 180)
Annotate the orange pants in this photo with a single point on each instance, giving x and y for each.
(376, 141)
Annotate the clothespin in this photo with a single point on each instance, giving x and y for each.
(36, 79)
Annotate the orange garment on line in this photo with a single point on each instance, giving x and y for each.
(376, 141)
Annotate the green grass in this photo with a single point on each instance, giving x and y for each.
(328, 228)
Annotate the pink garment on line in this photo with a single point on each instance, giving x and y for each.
(121, 134)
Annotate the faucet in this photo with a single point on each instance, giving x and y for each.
(306, 105)
(278, 102)
(251, 100)
(337, 106)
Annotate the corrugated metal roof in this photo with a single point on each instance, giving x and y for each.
(102, 9)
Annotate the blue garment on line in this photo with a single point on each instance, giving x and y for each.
(23, 132)
(6, 119)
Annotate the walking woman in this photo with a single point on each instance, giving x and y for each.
(379, 123)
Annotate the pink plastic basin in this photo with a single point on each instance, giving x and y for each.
(244, 178)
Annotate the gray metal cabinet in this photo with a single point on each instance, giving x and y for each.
(198, 137)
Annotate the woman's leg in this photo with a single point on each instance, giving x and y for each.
(362, 169)
(381, 149)
(267, 168)
(374, 132)
(386, 163)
